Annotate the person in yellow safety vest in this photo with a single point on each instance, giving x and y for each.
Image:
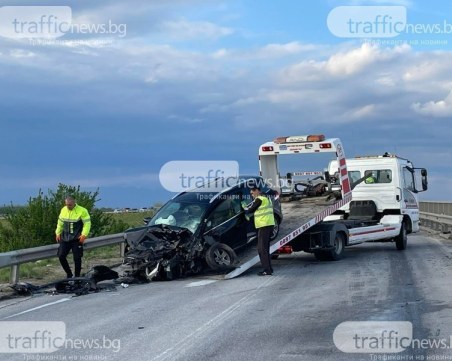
(264, 221)
(370, 179)
(73, 227)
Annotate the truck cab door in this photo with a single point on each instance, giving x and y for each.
(409, 201)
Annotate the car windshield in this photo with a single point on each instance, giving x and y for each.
(180, 214)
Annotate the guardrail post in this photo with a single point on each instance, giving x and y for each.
(14, 275)
(122, 249)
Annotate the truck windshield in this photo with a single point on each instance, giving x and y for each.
(185, 215)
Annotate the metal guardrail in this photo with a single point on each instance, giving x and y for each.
(436, 215)
(13, 259)
(440, 207)
(437, 222)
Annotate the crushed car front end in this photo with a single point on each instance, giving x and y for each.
(161, 252)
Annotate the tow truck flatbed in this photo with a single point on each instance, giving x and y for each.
(305, 212)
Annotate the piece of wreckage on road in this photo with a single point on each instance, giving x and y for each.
(90, 282)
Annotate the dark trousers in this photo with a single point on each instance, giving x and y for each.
(263, 247)
(77, 253)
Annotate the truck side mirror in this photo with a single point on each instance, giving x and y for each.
(424, 179)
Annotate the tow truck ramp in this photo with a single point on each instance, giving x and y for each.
(298, 216)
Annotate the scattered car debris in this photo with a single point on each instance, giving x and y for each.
(76, 285)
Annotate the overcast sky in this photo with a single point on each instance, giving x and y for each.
(212, 80)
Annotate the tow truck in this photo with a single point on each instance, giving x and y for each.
(352, 201)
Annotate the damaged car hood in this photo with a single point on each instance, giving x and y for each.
(153, 248)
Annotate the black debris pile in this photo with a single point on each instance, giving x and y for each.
(76, 285)
(25, 288)
(101, 273)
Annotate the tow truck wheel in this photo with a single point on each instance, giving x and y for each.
(334, 254)
(401, 239)
(220, 257)
(339, 247)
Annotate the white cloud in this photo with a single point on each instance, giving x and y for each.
(441, 108)
(184, 29)
(356, 60)
(21, 53)
(348, 64)
(269, 51)
(278, 50)
(360, 113)
(428, 67)
(386, 80)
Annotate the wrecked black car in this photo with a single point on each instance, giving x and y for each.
(195, 231)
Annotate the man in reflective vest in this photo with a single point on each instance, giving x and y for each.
(370, 179)
(72, 230)
(264, 221)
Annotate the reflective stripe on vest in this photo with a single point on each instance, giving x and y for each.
(263, 216)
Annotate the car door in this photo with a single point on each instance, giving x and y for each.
(227, 223)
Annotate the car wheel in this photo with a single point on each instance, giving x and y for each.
(220, 257)
(401, 239)
(275, 230)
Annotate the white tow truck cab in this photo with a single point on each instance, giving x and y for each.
(389, 186)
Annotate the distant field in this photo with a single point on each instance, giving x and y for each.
(134, 219)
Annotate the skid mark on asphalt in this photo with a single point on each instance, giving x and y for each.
(180, 347)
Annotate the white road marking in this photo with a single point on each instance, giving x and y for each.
(37, 308)
(180, 347)
(201, 283)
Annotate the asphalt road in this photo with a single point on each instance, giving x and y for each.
(289, 316)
